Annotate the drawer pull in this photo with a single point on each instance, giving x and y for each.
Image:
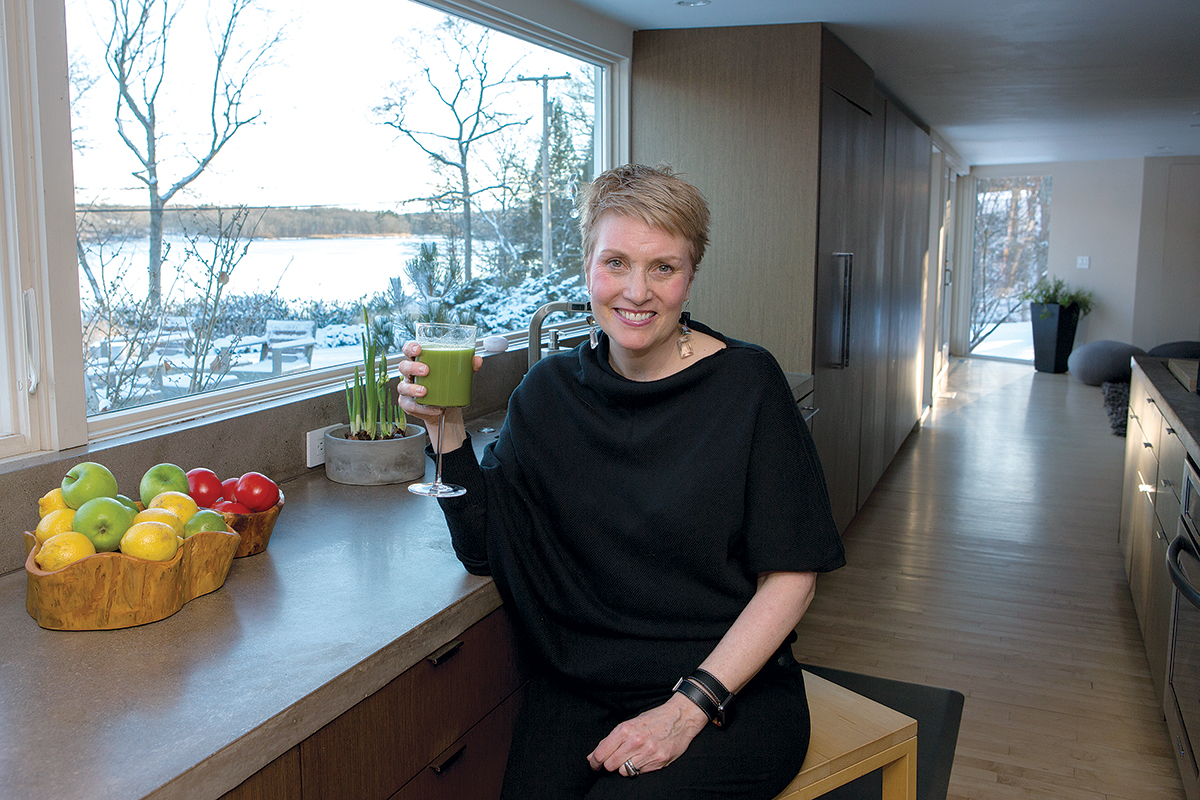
(444, 653)
(444, 764)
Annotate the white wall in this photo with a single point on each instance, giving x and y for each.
(1095, 211)
(1138, 222)
(1167, 304)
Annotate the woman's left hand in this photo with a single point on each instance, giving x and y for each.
(652, 739)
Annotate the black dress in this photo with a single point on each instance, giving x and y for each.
(626, 524)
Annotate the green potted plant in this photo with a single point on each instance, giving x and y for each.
(378, 446)
(1055, 309)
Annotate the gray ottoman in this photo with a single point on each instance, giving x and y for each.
(1185, 349)
(1104, 361)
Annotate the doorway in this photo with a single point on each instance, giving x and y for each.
(1011, 246)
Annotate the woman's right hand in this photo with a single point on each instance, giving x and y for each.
(410, 394)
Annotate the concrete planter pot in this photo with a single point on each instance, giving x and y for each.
(375, 463)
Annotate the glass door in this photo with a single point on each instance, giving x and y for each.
(1011, 248)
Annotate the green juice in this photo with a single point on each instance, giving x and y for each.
(448, 383)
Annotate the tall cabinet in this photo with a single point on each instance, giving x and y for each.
(819, 186)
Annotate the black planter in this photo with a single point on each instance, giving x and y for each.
(1053, 335)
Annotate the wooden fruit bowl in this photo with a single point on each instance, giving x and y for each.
(114, 590)
(255, 528)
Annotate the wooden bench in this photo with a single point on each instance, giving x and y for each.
(288, 340)
(852, 736)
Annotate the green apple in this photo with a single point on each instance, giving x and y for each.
(128, 503)
(204, 520)
(162, 478)
(85, 481)
(104, 521)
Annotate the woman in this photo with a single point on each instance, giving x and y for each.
(654, 515)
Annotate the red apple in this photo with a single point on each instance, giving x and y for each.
(256, 491)
(205, 487)
(229, 488)
(231, 507)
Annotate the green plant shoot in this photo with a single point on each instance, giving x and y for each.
(373, 414)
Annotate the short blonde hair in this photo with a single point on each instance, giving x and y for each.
(655, 195)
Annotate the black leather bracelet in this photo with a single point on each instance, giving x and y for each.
(714, 687)
(692, 691)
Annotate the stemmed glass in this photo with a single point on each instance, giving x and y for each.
(449, 352)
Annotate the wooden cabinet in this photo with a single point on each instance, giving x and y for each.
(848, 313)
(1154, 457)
(441, 729)
(819, 187)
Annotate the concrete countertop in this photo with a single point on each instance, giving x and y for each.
(1174, 400)
(356, 585)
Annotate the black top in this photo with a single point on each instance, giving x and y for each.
(626, 522)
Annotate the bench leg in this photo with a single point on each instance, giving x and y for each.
(900, 776)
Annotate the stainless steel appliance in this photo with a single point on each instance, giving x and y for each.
(1181, 703)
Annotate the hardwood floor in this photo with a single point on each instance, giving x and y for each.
(986, 560)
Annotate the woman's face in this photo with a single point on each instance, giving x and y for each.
(638, 277)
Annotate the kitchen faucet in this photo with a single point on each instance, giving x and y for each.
(535, 326)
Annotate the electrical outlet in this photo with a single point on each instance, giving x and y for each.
(316, 447)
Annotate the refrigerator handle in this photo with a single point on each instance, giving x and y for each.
(847, 259)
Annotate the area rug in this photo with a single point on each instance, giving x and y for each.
(1116, 405)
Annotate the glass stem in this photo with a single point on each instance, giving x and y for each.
(441, 434)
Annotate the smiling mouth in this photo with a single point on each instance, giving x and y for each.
(635, 316)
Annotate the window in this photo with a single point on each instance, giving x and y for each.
(39, 265)
(305, 160)
(1012, 245)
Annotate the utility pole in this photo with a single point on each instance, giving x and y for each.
(547, 250)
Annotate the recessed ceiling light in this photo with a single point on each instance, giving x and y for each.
(692, 3)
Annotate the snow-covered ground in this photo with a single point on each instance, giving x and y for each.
(1009, 340)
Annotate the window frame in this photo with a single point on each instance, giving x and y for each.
(38, 126)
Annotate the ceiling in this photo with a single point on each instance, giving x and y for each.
(1005, 81)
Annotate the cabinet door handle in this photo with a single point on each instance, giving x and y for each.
(847, 288)
(444, 653)
(808, 412)
(444, 763)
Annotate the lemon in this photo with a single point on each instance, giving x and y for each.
(62, 549)
(180, 503)
(151, 540)
(59, 520)
(161, 515)
(51, 501)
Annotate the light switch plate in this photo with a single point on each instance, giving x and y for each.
(1083, 262)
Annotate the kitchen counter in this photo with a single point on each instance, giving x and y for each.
(1174, 400)
(357, 585)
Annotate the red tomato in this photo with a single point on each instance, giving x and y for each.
(231, 507)
(256, 491)
(229, 488)
(204, 486)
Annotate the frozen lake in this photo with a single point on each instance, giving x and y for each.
(340, 269)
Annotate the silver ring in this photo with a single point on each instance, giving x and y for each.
(631, 769)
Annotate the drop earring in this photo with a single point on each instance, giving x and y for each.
(593, 332)
(684, 342)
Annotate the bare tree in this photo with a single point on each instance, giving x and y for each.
(1011, 245)
(137, 58)
(466, 94)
